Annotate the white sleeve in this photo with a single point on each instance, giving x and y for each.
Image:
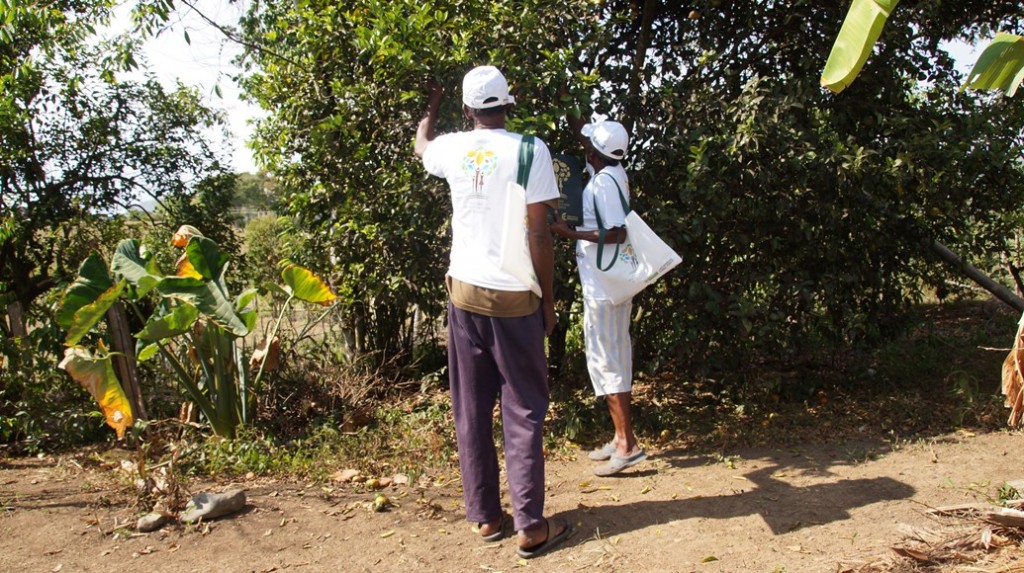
(606, 194)
(542, 185)
(434, 156)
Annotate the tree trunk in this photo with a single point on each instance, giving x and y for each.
(16, 319)
(124, 362)
(643, 40)
(999, 291)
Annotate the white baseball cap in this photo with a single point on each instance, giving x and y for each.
(485, 87)
(608, 137)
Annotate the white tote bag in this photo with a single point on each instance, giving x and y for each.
(640, 261)
(515, 248)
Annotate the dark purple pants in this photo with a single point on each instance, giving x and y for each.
(499, 359)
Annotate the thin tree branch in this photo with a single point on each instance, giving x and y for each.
(231, 35)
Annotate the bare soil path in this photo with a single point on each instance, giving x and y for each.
(810, 509)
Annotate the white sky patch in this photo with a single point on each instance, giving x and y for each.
(204, 62)
(964, 54)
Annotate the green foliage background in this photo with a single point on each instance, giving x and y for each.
(803, 218)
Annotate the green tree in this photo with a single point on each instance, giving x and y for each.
(255, 191)
(800, 215)
(77, 144)
(344, 83)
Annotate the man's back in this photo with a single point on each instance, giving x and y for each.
(479, 165)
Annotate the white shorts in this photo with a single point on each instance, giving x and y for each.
(609, 348)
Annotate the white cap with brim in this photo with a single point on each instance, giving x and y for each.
(609, 138)
(485, 87)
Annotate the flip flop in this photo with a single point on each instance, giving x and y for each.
(617, 463)
(549, 543)
(503, 530)
(603, 453)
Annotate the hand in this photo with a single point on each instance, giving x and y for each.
(434, 93)
(550, 318)
(559, 226)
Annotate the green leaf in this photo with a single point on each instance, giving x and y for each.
(148, 351)
(129, 262)
(306, 286)
(92, 281)
(206, 257)
(1000, 65)
(208, 298)
(861, 29)
(275, 288)
(249, 317)
(96, 374)
(87, 316)
(245, 299)
(179, 321)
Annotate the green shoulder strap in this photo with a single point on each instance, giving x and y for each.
(525, 160)
(602, 231)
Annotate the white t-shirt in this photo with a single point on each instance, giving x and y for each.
(602, 188)
(479, 165)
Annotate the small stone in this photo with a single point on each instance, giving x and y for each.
(151, 522)
(346, 475)
(213, 505)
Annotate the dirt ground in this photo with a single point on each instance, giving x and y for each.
(812, 509)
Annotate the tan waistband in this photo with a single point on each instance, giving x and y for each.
(490, 302)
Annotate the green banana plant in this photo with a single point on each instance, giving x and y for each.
(195, 326)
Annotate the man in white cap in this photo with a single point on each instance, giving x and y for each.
(496, 324)
(605, 324)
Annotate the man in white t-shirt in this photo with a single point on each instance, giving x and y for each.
(496, 324)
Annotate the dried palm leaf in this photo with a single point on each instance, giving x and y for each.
(1013, 379)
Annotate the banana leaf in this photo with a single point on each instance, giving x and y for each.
(861, 29)
(96, 374)
(92, 280)
(306, 286)
(87, 300)
(207, 296)
(137, 267)
(1000, 66)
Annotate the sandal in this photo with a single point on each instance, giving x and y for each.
(603, 453)
(503, 529)
(616, 464)
(549, 543)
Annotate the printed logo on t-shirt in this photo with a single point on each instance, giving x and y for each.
(478, 164)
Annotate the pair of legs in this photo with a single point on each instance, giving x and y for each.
(619, 408)
(610, 364)
(500, 359)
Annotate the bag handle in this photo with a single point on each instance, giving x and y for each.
(602, 232)
(525, 160)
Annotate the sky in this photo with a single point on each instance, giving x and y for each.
(205, 62)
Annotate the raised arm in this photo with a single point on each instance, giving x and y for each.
(425, 130)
